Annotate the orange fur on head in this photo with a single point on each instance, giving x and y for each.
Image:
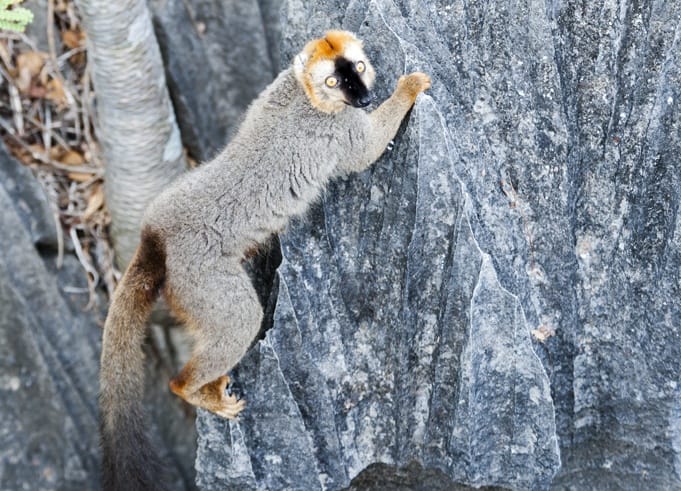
(330, 46)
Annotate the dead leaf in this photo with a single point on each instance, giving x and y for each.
(36, 91)
(95, 202)
(78, 59)
(56, 152)
(71, 157)
(73, 38)
(79, 176)
(55, 92)
(29, 65)
(21, 153)
(32, 61)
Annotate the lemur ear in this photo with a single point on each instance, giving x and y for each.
(299, 64)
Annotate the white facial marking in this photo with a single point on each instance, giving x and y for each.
(354, 52)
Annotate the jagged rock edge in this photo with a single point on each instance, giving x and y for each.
(427, 103)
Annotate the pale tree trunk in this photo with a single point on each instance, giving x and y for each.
(140, 139)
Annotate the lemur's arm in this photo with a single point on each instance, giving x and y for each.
(385, 120)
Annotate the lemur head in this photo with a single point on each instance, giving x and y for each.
(335, 72)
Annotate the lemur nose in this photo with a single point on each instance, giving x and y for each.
(365, 100)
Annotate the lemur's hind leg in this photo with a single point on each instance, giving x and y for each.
(223, 315)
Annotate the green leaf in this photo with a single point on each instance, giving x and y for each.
(14, 19)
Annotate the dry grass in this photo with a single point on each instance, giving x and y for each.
(47, 121)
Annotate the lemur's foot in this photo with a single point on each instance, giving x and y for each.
(231, 407)
(211, 396)
(219, 402)
(413, 84)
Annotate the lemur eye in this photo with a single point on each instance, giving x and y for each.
(360, 67)
(331, 81)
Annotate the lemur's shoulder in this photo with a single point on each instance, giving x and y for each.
(282, 91)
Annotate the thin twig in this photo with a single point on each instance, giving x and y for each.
(47, 129)
(17, 113)
(89, 117)
(27, 40)
(87, 266)
(82, 186)
(14, 101)
(6, 57)
(50, 35)
(16, 36)
(85, 107)
(52, 49)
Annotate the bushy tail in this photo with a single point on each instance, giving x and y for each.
(129, 460)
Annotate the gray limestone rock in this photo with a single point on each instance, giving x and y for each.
(217, 58)
(48, 352)
(497, 300)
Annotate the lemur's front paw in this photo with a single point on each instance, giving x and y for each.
(413, 84)
(214, 398)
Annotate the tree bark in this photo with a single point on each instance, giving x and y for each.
(140, 139)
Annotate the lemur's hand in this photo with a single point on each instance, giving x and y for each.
(413, 84)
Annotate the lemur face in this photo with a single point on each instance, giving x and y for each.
(334, 72)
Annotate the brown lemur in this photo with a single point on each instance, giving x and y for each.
(305, 128)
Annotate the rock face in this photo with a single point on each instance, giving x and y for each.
(497, 299)
(48, 349)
